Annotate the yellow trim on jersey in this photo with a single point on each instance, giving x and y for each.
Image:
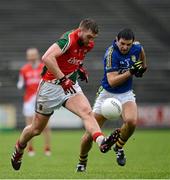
(109, 58)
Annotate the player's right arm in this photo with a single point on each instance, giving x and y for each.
(116, 79)
(49, 59)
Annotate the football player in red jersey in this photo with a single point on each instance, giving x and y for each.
(59, 87)
(29, 78)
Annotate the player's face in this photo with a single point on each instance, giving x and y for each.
(124, 45)
(32, 55)
(87, 35)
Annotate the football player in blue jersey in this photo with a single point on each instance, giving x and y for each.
(123, 60)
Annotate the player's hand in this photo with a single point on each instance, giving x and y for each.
(67, 85)
(140, 72)
(83, 75)
(135, 67)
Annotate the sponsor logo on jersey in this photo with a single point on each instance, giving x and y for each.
(74, 61)
(75, 51)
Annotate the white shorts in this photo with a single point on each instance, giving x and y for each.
(29, 107)
(103, 94)
(51, 96)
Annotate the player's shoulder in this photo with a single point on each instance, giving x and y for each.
(137, 44)
(69, 35)
(73, 36)
(65, 41)
(25, 67)
(136, 47)
(110, 50)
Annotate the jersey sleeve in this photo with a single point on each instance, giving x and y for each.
(111, 62)
(65, 41)
(138, 46)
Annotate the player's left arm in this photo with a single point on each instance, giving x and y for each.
(143, 68)
(49, 59)
(82, 71)
(142, 57)
(83, 74)
(116, 79)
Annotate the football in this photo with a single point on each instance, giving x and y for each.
(111, 109)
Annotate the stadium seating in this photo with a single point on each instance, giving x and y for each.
(29, 23)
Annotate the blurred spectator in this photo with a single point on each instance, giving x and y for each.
(29, 78)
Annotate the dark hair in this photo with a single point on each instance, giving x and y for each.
(89, 24)
(126, 34)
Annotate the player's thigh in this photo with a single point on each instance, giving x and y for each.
(79, 105)
(129, 112)
(40, 121)
(51, 96)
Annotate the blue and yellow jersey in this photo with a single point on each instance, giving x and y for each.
(114, 60)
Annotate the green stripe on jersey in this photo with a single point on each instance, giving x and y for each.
(64, 41)
(74, 76)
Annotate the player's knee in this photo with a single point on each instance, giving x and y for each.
(36, 131)
(131, 122)
(86, 111)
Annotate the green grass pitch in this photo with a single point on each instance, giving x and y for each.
(148, 156)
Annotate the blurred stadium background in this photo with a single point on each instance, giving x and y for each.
(38, 23)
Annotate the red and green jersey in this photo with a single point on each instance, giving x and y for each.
(73, 53)
(31, 77)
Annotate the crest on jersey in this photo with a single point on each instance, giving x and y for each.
(75, 51)
(133, 58)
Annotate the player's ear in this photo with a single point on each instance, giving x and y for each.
(116, 38)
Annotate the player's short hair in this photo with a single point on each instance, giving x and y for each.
(32, 49)
(89, 24)
(126, 34)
